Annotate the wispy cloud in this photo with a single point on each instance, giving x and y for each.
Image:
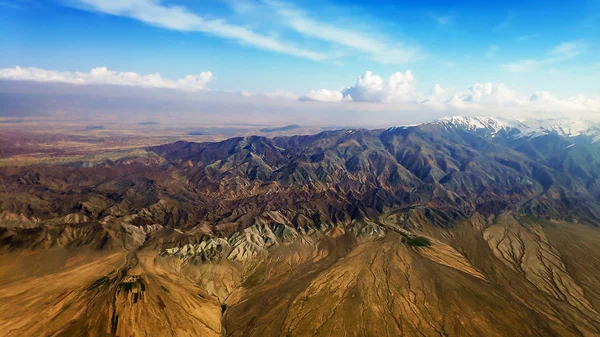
(180, 18)
(102, 75)
(559, 53)
(449, 64)
(10, 5)
(378, 48)
(505, 24)
(525, 38)
(492, 51)
(567, 50)
(442, 19)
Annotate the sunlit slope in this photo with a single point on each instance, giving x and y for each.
(421, 231)
(495, 277)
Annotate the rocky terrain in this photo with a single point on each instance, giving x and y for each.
(459, 227)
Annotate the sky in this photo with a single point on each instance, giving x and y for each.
(442, 57)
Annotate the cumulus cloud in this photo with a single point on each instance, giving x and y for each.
(180, 18)
(397, 92)
(488, 93)
(102, 75)
(401, 88)
(483, 96)
(373, 88)
(545, 99)
(438, 97)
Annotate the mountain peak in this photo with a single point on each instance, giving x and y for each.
(520, 128)
(488, 124)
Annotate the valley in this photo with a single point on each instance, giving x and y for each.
(431, 230)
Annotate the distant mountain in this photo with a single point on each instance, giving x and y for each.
(458, 227)
(526, 128)
(282, 128)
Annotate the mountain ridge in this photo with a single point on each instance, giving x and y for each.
(527, 127)
(395, 231)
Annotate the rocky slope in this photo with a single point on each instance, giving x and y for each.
(460, 227)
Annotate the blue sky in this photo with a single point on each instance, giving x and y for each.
(273, 46)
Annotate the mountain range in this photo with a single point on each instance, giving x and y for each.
(462, 226)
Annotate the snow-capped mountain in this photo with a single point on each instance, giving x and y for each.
(524, 128)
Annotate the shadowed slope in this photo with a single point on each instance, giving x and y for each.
(419, 231)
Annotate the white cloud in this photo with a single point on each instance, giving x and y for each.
(496, 97)
(280, 94)
(378, 48)
(396, 93)
(542, 96)
(325, 95)
(102, 75)
(399, 87)
(524, 65)
(488, 93)
(438, 97)
(372, 88)
(481, 96)
(568, 49)
(180, 18)
(545, 100)
(560, 53)
(438, 93)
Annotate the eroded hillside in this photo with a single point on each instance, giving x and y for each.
(420, 231)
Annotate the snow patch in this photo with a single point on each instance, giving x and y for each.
(526, 127)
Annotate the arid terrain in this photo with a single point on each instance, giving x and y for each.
(439, 229)
(52, 140)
